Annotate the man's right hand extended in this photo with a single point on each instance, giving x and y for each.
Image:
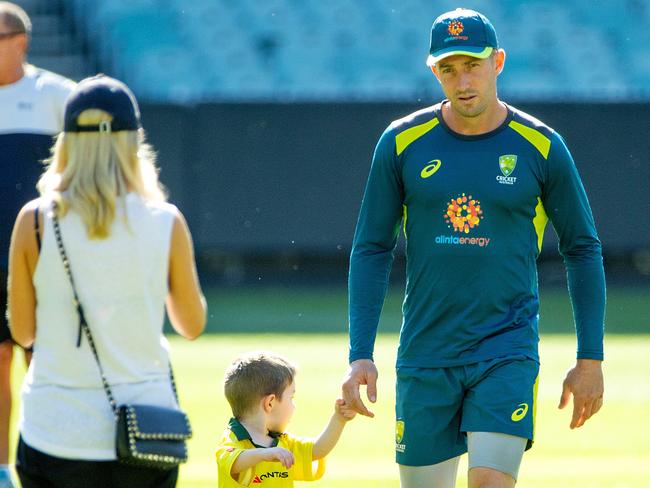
(361, 372)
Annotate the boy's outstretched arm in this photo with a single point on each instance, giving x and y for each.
(251, 457)
(330, 436)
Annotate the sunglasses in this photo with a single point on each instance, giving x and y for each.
(8, 35)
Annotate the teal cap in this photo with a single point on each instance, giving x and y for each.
(461, 31)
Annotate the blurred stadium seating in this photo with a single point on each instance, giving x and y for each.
(256, 175)
(350, 49)
(54, 44)
(344, 50)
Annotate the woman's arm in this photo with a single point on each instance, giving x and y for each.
(23, 256)
(185, 302)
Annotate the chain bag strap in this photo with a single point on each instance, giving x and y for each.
(147, 435)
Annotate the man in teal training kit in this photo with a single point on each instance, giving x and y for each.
(472, 181)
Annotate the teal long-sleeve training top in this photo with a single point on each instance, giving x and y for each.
(473, 210)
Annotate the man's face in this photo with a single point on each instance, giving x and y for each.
(13, 47)
(469, 83)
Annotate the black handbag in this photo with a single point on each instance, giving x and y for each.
(146, 435)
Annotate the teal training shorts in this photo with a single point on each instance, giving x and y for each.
(436, 407)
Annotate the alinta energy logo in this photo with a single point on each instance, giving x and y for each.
(455, 29)
(463, 215)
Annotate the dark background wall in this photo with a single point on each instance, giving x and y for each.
(288, 178)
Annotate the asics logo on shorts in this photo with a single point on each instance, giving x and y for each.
(520, 413)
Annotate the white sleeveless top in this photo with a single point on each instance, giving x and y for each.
(122, 285)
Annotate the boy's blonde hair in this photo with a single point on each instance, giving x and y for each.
(89, 170)
(254, 376)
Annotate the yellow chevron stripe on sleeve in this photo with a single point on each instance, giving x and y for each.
(535, 388)
(539, 221)
(535, 137)
(404, 139)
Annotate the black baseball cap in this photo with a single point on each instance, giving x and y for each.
(104, 93)
(461, 31)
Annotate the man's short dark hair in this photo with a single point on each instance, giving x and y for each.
(15, 18)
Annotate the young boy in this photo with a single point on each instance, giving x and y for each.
(254, 448)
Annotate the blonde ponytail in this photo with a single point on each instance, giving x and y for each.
(89, 171)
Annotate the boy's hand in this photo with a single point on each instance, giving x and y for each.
(344, 411)
(279, 454)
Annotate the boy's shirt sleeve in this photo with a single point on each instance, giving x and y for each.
(227, 453)
(305, 468)
(565, 201)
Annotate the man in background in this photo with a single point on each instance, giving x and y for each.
(31, 113)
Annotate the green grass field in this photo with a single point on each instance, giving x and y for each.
(319, 309)
(610, 451)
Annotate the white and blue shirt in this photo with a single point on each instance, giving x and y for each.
(31, 113)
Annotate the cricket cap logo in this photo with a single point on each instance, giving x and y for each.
(399, 431)
(455, 28)
(461, 32)
(507, 163)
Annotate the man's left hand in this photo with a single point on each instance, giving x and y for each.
(585, 383)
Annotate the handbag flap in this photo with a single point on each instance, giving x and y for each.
(153, 422)
(161, 449)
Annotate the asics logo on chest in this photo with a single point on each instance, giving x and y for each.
(431, 167)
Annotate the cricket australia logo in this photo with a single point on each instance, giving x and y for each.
(399, 436)
(507, 164)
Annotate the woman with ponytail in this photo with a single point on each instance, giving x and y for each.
(130, 253)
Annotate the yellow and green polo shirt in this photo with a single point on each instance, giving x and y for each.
(236, 439)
